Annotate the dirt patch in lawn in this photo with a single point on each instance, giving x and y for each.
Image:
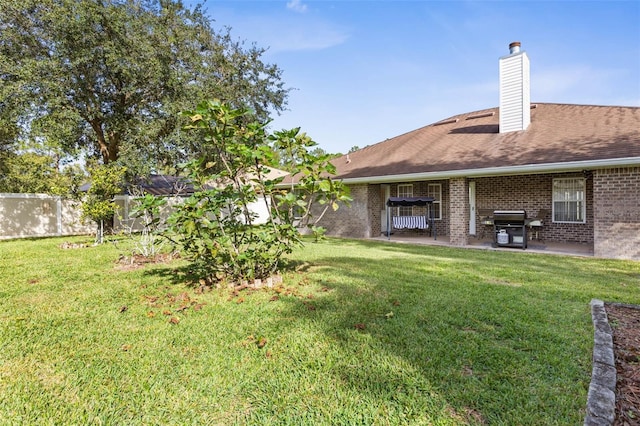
(136, 261)
(625, 322)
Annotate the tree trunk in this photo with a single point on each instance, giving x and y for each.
(96, 125)
(108, 148)
(114, 146)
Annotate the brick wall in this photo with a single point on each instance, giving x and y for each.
(353, 221)
(617, 213)
(459, 212)
(376, 205)
(533, 193)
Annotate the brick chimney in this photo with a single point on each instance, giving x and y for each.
(515, 90)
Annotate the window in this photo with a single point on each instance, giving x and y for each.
(405, 190)
(435, 190)
(569, 200)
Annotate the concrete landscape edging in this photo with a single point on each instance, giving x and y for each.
(601, 399)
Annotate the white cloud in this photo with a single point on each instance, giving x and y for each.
(306, 38)
(575, 84)
(280, 31)
(282, 34)
(297, 6)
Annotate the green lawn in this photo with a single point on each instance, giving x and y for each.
(361, 333)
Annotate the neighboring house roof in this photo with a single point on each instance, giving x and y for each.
(560, 137)
(172, 185)
(272, 174)
(165, 185)
(155, 185)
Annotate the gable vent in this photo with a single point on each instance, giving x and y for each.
(515, 90)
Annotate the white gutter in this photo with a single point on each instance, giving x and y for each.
(500, 171)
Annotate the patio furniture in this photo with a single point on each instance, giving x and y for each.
(486, 221)
(411, 222)
(536, 223)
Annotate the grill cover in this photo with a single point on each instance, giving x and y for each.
(509, 216)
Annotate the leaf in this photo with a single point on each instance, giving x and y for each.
(261, 342)
(123, 308)
(174, 320)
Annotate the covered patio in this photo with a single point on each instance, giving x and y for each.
(533, 246)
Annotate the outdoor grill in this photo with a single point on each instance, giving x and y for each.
(509, 228)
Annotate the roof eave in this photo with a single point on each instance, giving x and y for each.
(499, 171)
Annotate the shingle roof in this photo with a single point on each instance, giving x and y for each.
(174, 185)
(558, 134)
(165, 185)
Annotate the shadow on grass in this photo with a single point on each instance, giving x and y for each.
(191, 276)
(500, 337)
(484, 337)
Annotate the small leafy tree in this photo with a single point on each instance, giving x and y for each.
(312, 191)
(98, 204)
(218, 226)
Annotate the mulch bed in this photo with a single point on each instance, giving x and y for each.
(625, 322)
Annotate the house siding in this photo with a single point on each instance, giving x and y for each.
(533, 193)
(617, 213)
(514, 93)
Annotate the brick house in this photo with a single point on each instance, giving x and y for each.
(577, 167)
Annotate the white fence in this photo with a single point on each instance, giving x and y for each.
(123, 220)
(41, 215)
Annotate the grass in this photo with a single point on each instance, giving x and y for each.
(360, 333)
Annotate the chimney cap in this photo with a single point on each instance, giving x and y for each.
(514, 47)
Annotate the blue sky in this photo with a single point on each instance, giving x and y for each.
(365, 71)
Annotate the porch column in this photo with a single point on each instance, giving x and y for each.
(616, 213)
(459, 211)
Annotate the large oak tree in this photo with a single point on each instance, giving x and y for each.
(109, 77)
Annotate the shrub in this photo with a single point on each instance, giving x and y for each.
(218, 227)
